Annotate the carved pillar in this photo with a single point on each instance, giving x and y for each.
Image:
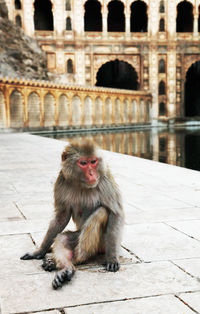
(58, 17)
(80, 66)
(171, 70)
(28, 10)
(78, 17)
(195, 29)
(172, 14)
(105, 19)
(153, 77)
(128, 21)
(153, 18)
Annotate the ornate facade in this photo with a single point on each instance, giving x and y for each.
(148, 45)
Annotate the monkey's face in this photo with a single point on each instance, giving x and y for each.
(89, 171)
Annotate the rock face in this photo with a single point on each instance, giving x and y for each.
(20, 55)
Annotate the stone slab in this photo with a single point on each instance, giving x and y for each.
(22, 226)
(9, 211)
(12, 248)
(191, 227)
(152, 305)
(94, 285)
(191, 266)
(153, 242)
(192, 299)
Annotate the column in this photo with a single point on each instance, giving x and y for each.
(28, 9)
(128, 22)
(171, 70)
(78, 17)
(195, 29)
(58, 17)
(105, 19)
(80, 66)
(153, 80)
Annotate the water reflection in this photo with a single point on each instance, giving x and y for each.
(179, 147)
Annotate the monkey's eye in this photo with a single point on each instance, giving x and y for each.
(83, 162)
(93, 161)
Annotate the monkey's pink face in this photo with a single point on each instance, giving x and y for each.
(89, 169)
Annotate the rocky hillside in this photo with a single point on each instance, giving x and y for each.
(20, 55)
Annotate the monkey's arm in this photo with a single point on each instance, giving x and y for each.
(113, 240)
(56, 226)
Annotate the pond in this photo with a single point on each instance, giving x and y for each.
(175, 146)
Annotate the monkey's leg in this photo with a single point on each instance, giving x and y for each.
(62, 254)
(91, 235)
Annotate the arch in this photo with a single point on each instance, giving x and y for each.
(98, 110)
(93, 16)
(108, 111)
(68, 5)
(2, 111)
(16, 109)
(162, 25)
(161, 66)
(70, 68)
(18, 20)
(33, 110)
(87, 111)
(162, 6)
(63, 110)
(139, 17)
(18, 5)
(117, 74)
(76, 110)
(161, 88)
(68, 24)
(117, 110)
(49, 110)
(116, 17)
(185, 18)
(162, 109)
(192, 91)
(43, 17)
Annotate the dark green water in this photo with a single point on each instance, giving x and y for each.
(176, 146)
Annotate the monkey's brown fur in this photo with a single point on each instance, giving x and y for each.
(95, 207)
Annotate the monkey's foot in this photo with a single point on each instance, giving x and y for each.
(61, 277)
(112, 266)
(48, 264)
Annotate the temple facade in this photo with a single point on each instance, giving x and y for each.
(148, 45)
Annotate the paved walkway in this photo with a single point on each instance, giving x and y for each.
(161, 244)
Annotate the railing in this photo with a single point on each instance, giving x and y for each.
(42, 104)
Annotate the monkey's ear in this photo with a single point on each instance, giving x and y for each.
(64, 156)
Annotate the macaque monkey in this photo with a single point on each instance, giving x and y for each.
(86, 191)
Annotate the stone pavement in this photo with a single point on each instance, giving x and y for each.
(160, 255)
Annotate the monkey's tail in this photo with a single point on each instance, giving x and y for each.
(91, 235)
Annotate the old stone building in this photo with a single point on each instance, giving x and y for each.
(148, 45)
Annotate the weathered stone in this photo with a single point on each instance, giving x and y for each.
(16, 48)
(155, 305)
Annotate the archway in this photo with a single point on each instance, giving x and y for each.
(184, 21)
(117, 74)
(116, 17)
(139, 16)
(93, 17)
(43, 17)
(192, 91)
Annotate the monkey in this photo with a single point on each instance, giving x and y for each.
(86, 191)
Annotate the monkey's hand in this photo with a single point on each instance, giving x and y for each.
(112, 266)
(35, 255)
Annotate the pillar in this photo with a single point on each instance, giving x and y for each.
(28, 9)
